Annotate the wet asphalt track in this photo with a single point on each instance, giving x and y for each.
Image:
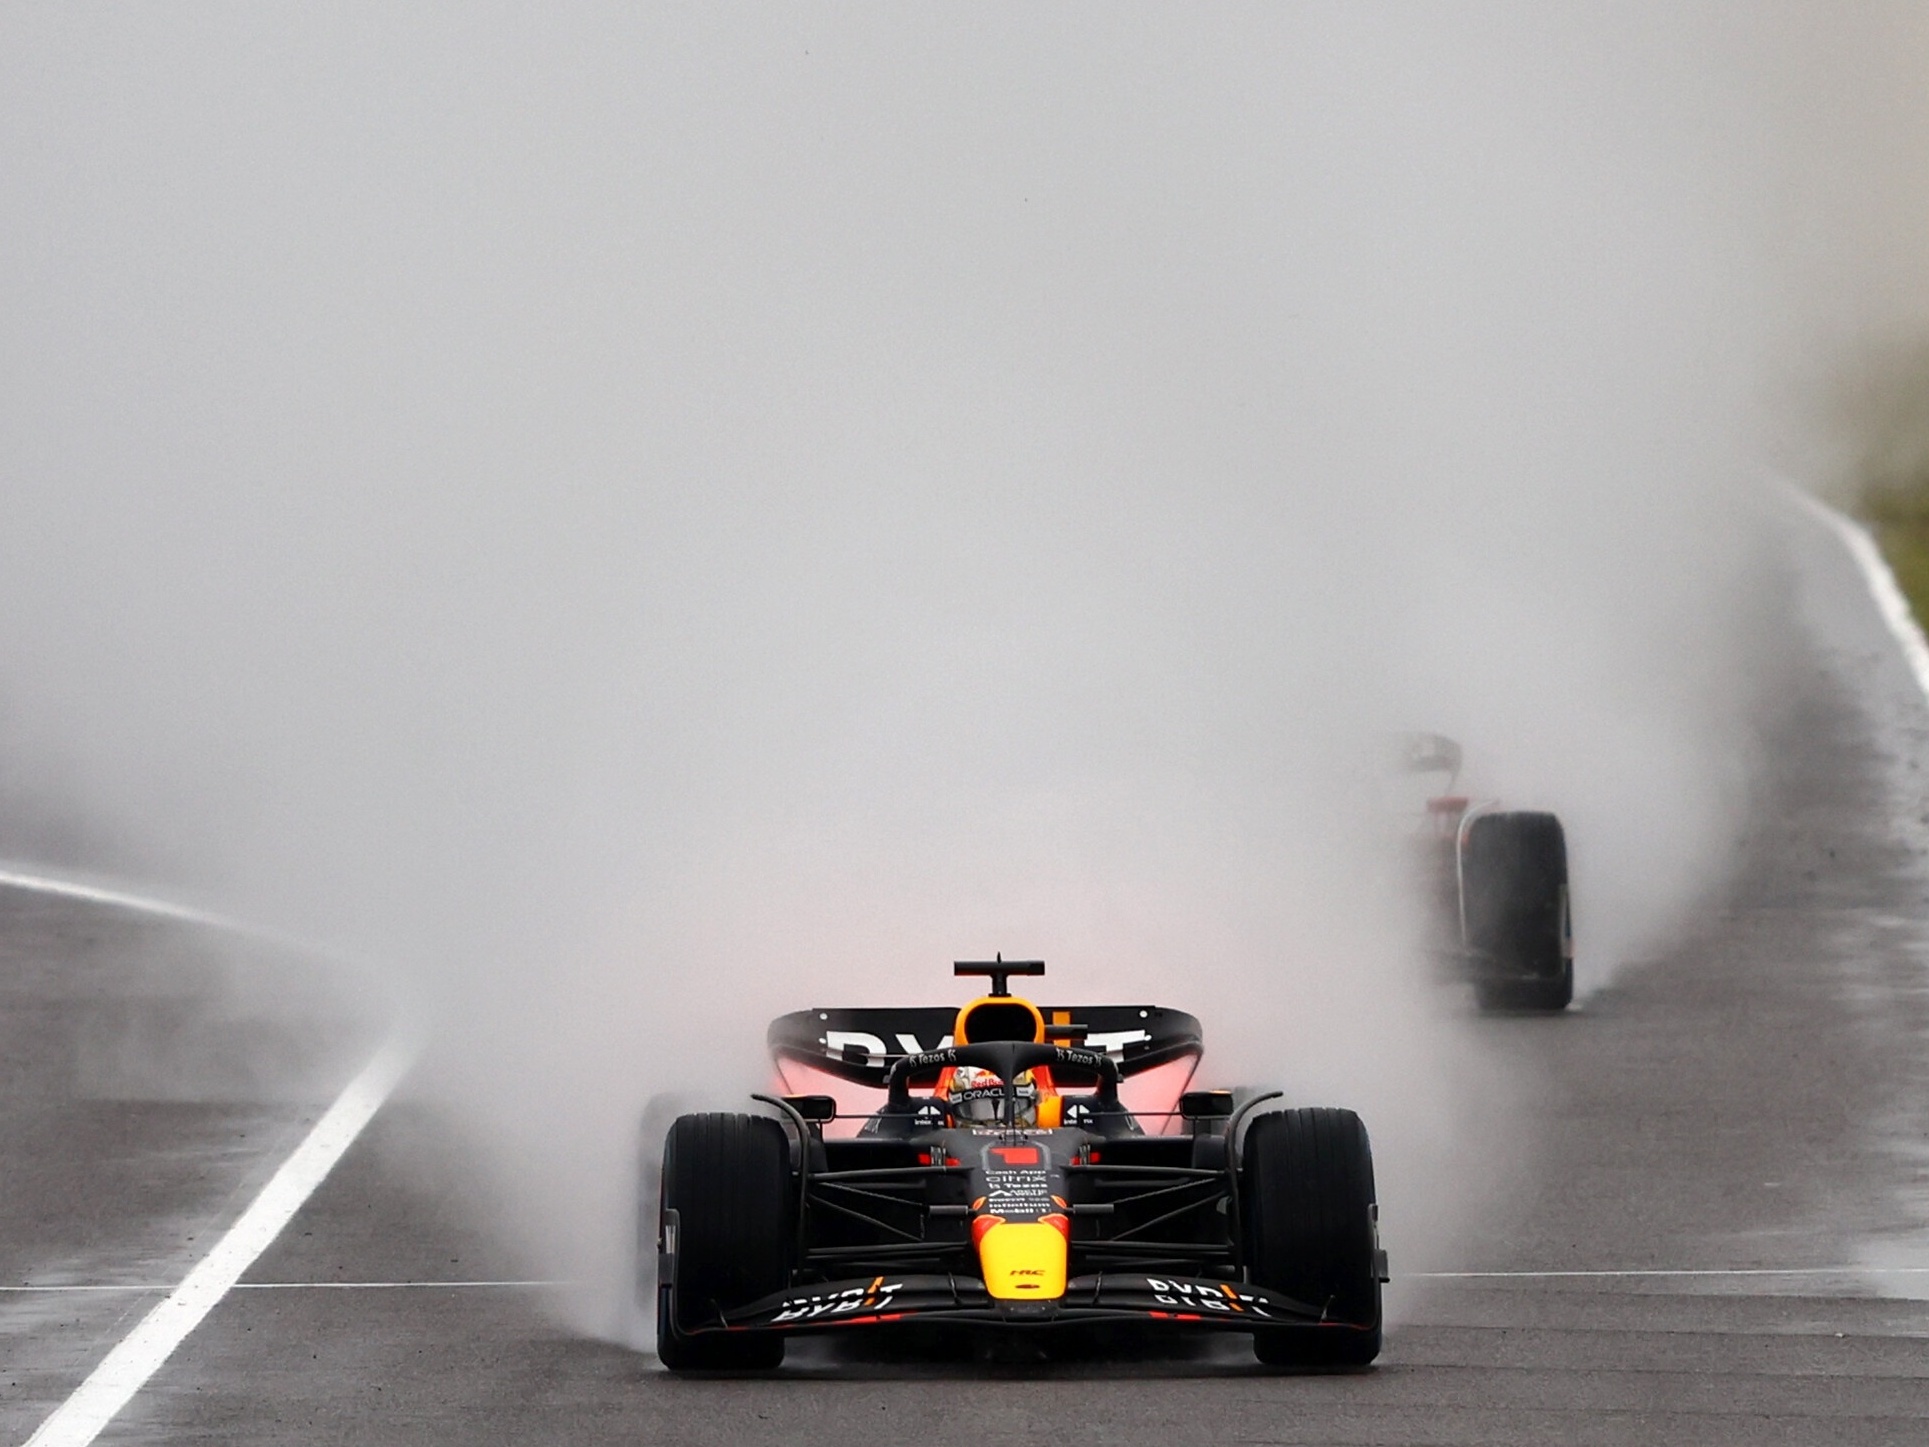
(1756, 1101)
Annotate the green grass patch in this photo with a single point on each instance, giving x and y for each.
(1906, 546)
(1883, 407)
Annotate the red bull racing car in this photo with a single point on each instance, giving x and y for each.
(1011, 1168)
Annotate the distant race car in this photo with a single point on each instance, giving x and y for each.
(1012, 1169)
(1496, 893)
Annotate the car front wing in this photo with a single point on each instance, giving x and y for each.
(1106, 1296)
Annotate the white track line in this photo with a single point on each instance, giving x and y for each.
(1899, 618)
(125, 1369)
(15, 877)
(155, 1288)
(398, 1285)
(34, 880)
(1668, 1271)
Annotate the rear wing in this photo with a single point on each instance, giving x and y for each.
(861, 1046)
(1429, 754)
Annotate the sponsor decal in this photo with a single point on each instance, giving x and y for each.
(930, 1060)
(872, 1299)
(836, 1042)
(1017, 1185)
(1113, 1042)
(1204, 1296)
(1084, 1055)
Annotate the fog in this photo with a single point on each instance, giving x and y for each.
(640, 521)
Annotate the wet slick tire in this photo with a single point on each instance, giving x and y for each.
(727, 1179)
(1311, 1231)
(1513, 871)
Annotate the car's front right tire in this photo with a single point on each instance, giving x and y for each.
(1310, 1221)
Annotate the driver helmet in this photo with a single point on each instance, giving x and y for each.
(977, 1097)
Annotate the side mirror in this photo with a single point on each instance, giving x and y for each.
(1206, 1105)
(814, 1108)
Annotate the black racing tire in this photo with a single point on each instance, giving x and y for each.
(1513, 880)
(1527, 997)
(1311, 1226)
(728, 1179)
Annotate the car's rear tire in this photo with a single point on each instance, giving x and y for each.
(1310, 1221)
(1513, 882)
(1535, 997)
(728, 1180)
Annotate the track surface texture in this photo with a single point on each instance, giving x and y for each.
(1757, 1099)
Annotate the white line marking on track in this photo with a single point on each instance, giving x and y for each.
(396, 1285)
(35, 880)
(1883, 588)
(14, 877)
(138, 1355)
(152, 1288)
(1669, 1272)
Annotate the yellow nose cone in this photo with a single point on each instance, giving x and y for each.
(1023, 1261)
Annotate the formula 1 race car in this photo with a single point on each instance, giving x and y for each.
(1495, 885)
(1029, 1170)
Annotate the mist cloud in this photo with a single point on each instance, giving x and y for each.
(646, 520)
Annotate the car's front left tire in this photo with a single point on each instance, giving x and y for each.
(729, 1200)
